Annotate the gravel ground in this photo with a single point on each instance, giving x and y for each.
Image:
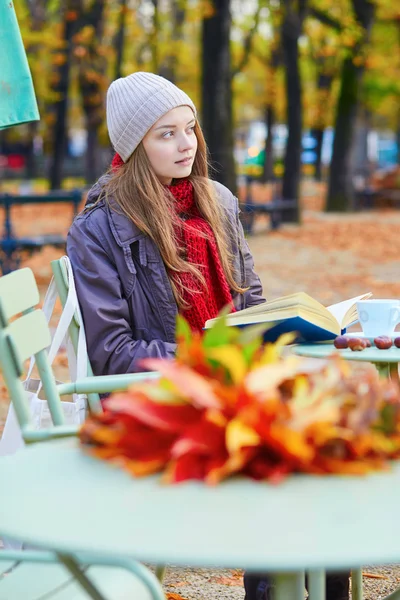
(332, 258)
(206, 584)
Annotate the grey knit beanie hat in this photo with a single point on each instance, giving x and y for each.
(135, 103)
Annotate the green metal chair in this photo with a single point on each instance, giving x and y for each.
(29, 335)
(35, 575)
(60, 273)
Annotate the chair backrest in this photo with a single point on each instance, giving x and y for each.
(24, 332)
(61, 278)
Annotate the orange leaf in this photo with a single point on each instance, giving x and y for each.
(231, 581)
(373, 575)
(179, 584)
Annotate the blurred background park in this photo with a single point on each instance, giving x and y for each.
(288, 91)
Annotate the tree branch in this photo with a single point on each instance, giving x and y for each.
(325, 18)
(248, 43)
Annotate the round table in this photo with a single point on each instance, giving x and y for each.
(386, 361)
(57, 497)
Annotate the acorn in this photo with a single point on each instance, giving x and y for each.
(397, 342)
(357, 344)
(341, 342)
(383, 342)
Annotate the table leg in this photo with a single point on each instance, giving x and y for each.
(394, 372)
(160, 572)
(356, 584)
(388, 370)
(316, 585)
(288, 586)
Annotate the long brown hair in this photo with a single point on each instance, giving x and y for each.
(143, 199)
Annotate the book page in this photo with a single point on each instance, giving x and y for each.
(345, 312)
(297, 299)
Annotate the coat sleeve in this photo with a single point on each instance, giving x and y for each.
(111, 347)
(254, 295)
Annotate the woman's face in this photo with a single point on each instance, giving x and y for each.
(171, 144)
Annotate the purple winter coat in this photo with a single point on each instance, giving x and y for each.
(126, 300)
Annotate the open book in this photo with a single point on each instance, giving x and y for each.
(301, 313)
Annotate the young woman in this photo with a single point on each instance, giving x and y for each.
(157, 237)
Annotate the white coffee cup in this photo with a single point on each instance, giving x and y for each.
(378, 317)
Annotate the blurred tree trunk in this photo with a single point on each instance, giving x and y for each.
(120, 39)
(216, 92)
(268, 167)
(169, 67)
(269, 115)
(292, 24)
(91, 69)
(340, 189)
(61, 87)
(31, 164)
(317, 133)
(37, 10)
(154, 37)
(324, 86)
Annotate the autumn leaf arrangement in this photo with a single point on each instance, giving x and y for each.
(231, 405)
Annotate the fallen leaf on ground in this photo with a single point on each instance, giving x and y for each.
(231, 581)
(174, 596)
(179, 584)
(373, 576)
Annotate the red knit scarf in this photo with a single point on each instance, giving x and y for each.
(201, 250)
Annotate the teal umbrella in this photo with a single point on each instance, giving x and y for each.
(17, 96)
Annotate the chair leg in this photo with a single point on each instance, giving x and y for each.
(356, 584)
(394, 596)
(74, 568)
(160, 572)
(316, 585)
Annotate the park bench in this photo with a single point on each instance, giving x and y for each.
(13, 248)
(275, 209)
(369, 198)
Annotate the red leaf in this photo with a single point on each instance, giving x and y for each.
(201, 438)
(167, 417)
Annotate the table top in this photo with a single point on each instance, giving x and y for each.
(55, 496)
(373, 354)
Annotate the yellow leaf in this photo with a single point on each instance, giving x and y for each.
(284, 340)
(216, 417)
(238, 436)
(232, 359)
(268, 377)
(291, 442)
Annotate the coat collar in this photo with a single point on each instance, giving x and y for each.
(123, 229)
